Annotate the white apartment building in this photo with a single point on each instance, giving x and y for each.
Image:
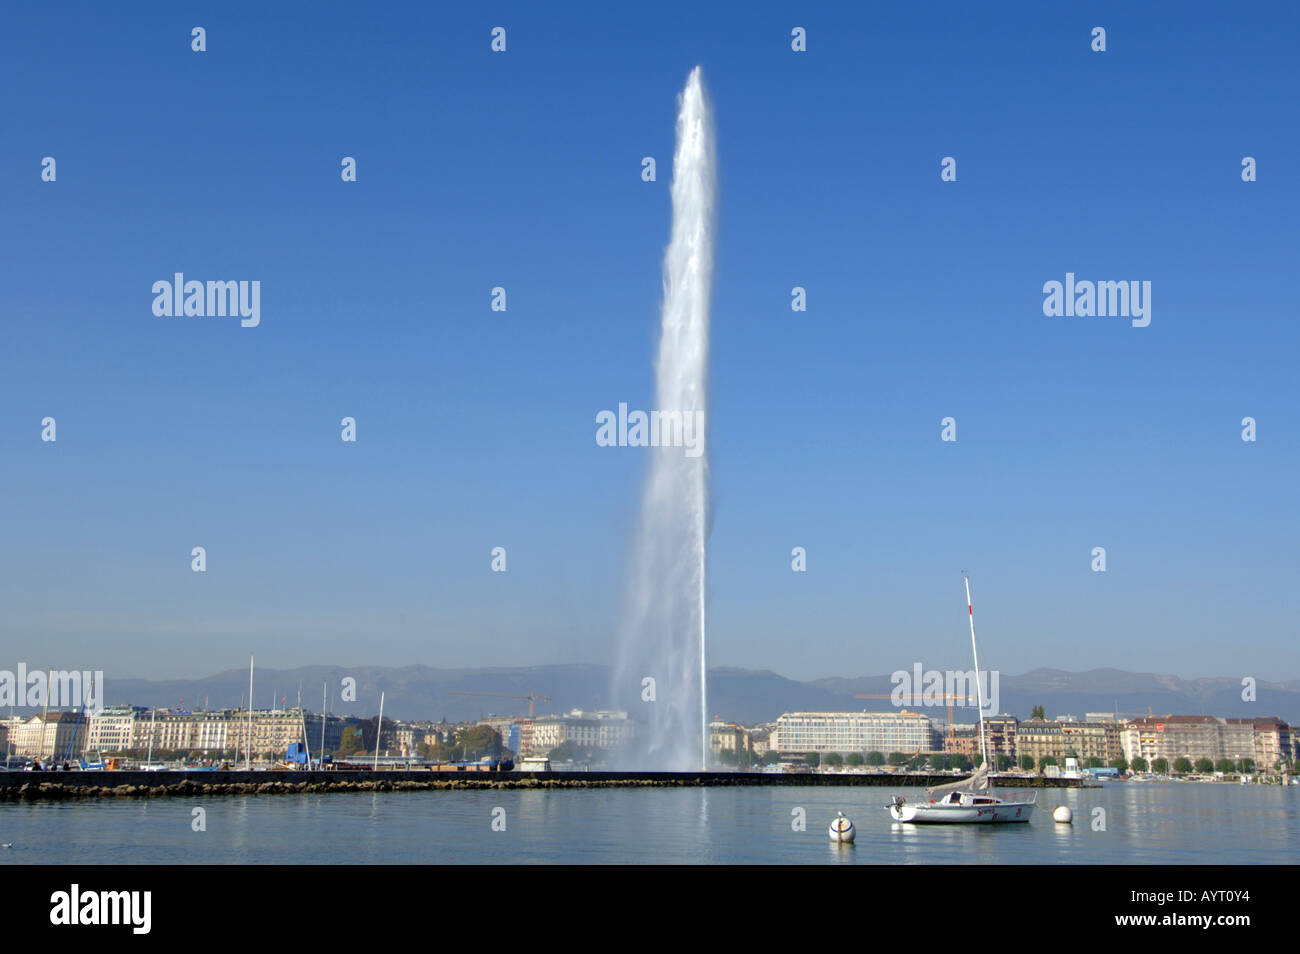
(48, 738)
(599, 729)
(846, 732)
(113, 729)
(1195, 737)
(125, 728)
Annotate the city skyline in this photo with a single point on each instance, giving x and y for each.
(739, 694)
(795, 738)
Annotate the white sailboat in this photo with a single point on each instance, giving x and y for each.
(970, 800)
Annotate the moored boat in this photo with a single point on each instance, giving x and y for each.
(970, 800)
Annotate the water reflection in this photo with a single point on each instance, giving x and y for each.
(1142, 823)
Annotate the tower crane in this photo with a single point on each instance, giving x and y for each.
(531, 697)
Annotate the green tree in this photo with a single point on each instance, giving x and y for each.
(1005, 763)
(834, 760)
(854, 759)
(1120, 764)
(1182, 764)
(1094, 762)
(476, 742)
(1038, 713)
(1027, 761)
(1204, 766)
(771, 758)
(812, 760)
(938, 761)
(1247, 766)
(370, 733)
(350, 744)
(876, 759)
(897, 758)
(569, 751)
(1160, 766)
(1225, 766)
(1045, 761)
(436, 751)
(961, 763)
(1139, 764)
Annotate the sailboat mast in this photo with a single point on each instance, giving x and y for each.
(379, 730)
(45, 718)
(302, 721)
(324, 707)
(248, 752)
(979, 689)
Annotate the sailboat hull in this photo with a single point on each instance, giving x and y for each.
(962, 814)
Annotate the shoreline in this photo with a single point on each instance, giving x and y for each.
(26, 786)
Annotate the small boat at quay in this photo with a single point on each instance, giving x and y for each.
(971, 800)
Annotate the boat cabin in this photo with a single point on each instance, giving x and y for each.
(966, 798)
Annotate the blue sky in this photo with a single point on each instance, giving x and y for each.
(476, 428)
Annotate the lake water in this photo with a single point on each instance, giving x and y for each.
(1176, 823)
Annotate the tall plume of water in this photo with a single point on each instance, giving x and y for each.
(663, 631)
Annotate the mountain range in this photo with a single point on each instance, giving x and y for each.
(736, 695)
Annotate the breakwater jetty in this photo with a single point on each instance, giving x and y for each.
(16, 786)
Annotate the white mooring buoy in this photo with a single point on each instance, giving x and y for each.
(1063, 815)
(842, 829)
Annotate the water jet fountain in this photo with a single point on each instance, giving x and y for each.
(663, 630)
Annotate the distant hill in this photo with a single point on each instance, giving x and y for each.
(741, 695)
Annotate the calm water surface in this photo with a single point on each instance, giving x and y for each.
(1144, 822)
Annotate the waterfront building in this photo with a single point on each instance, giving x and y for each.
(588, 729)
(962, 739)
(48, 737)
(1000, 734)
(1194, 737)
(334, 726)
(1003, 733)
(112, 729)
(1091, 742)
(434, 734)
(223, 732)
(1061, 739)
(847, 732)
(1274, 742)
(165, 731)
(1040, 739)
(273, 731)
(404, 738)
(727, 737)
(211, 731)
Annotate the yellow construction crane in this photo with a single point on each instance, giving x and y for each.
(531, 697)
